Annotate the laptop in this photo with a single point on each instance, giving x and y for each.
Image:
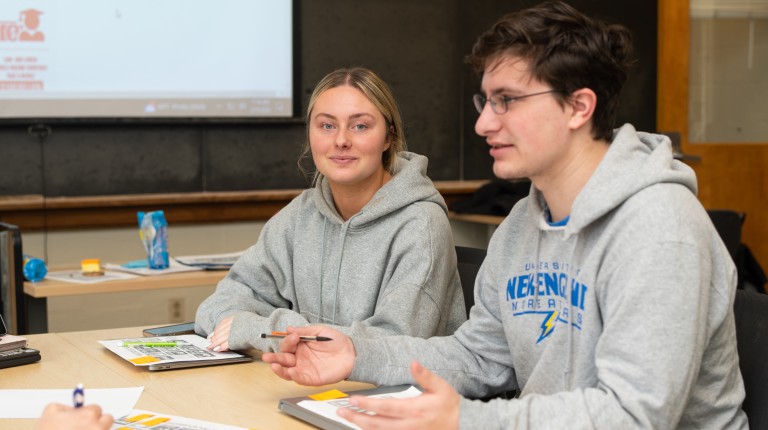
(171, 352)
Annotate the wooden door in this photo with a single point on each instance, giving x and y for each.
(730, 175)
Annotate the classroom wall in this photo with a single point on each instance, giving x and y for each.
(416, 46)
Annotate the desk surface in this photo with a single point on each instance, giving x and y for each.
(244, 395)
(51, 288)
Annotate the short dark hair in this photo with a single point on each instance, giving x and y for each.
(565, 49)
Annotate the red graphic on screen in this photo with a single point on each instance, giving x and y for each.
(30, 20)
(19, 70)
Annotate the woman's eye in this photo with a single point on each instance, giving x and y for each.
(360, 127)
(326, 126)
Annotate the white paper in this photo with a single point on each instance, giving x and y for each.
(173, 267)
(190, 347)
(165, 421)
(77, 277)
(30, 403)
(329, 408)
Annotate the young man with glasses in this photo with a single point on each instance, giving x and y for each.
(606, 296)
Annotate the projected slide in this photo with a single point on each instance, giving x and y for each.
(145, 58)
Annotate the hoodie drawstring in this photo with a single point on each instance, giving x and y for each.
(322, 271)
(567, 373)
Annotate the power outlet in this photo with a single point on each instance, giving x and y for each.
(176, 310)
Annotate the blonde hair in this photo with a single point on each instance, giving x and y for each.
(379, 93)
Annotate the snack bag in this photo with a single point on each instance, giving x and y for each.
(153, 231)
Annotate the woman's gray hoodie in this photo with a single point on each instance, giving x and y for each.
(389, 269)
(621, 319)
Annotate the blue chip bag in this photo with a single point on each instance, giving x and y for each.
(153, 231)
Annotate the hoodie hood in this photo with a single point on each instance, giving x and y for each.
(634, 161)
(409, 184)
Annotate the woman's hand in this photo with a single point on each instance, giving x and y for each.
(219, 338)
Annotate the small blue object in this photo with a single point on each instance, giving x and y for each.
(34, 269)
(136, 264)
(78, 396)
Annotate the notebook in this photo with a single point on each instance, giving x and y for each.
(189, 350)
(9, 341)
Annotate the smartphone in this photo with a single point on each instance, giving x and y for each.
(171, 330)
(17, 357)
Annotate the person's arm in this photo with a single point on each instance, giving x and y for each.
(60, 417)
(647, 359)
(256, 295)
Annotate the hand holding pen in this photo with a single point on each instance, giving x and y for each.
(61, 417)
(313, 363)
(78, 396)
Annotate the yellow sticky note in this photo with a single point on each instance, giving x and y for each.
(329, 395)
(139, 417)
(144, 360)
(155, 421)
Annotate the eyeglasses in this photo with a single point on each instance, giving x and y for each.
(500, 103)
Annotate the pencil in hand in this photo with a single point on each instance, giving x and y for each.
(281, 334)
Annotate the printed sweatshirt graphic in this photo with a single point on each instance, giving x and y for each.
(389, 269)
(621, 319)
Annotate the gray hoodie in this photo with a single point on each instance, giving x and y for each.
(621, 319)
(389, 269)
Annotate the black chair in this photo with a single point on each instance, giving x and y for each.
(728, 224)
(468, 261)
(751, 314)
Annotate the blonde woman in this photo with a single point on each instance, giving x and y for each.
(367, 250)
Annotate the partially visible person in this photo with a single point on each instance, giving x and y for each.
(61, 417)
(368, 250)
(606, 298)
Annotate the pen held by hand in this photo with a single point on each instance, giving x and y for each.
(78, 396)
(301, 338)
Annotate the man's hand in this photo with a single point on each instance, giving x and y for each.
(313, 362)
(437, 408)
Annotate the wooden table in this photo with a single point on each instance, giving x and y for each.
(244, 395)
(36, 294)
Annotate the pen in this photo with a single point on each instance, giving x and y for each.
(149, 343)
(280, 335)
(78, 396)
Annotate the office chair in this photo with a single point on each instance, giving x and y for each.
(751, 314)
(728, 225)
(468, 261)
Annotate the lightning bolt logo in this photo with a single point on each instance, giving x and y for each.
(548, 325)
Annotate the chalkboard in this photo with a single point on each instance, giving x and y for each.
(416, 46)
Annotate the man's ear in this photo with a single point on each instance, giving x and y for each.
(583, 102)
